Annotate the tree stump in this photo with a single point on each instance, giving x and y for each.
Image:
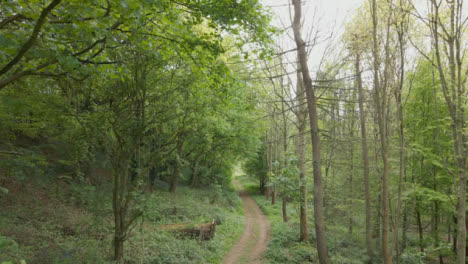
(203, 232)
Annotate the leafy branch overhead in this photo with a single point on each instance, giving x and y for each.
(56, 39)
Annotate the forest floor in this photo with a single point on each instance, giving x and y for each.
(73, 224)
(253, 243)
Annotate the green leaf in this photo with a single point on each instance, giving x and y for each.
(4, 190)
(437, 163)
(68, 62)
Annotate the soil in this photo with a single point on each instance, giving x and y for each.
(254, 241)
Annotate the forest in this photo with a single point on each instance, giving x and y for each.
(233, 131)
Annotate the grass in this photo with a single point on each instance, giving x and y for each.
(284, 246)
(343, 248)
(75, 225)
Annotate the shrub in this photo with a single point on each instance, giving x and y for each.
(411, 257)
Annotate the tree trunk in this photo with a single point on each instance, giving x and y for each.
(175, 177)
(436, 220)
(276, 168)
(455, 235)
(273, 195)
(380, 101)
(351, 115)
(118, 248)
(285, 213)
(268, 160)
(196, 170)
(350, 210)
(401, 137)
(420, 228)
(119, 201)
(176, 173)
(285, 149)
(313, 118)
(301, 155)
(365, 157)
(454, 93)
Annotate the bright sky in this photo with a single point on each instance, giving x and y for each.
(327, 16)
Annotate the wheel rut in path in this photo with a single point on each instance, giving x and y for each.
(254, 241)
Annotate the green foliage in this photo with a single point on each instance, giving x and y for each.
(139, 89)
(191, 206)
(8, 244)
(255, 166)
(285, 177)
(62, 233)
(410, 257)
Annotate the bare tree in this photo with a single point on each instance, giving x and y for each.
(313, 119)
(365, 155)
(447, 37)
(381, 106)
(301, 153)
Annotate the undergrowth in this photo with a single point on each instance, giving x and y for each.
(284, 246)
(44, 224)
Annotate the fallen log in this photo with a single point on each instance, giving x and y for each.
(203, 232)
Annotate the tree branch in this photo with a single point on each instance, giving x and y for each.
(37, 28)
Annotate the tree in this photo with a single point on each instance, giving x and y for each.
(312, 107)
(380, 97)
(301, 114)
(357, 47)
(453, 89)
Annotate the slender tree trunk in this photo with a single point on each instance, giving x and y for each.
(420, 227)
(377, 233)
(436, 229)
(276, 168)
(119, 197)
(285, 213)
(405, 229)
(196, 170)
(118, 247)
(118, 240)
(351, 116)
(273, 195)
(313, 118)
(449, 230)
(401, 137)
(176, 173)
(329, 182)
(350, 210)
(268, 158)
(365, 157)
(301, 154)
(455, 235)
(285, 151)
(381, 116)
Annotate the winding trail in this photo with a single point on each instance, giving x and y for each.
(254, 241)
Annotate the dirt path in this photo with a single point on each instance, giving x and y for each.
(254, 241)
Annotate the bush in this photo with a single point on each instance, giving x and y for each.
(411, 257)
(9, 249)
(152, 244)
(338, 259)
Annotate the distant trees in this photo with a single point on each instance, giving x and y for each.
(398, 88)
